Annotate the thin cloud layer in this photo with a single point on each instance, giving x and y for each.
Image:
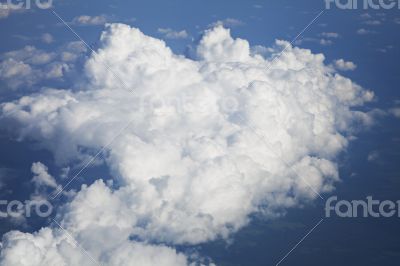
(208, 143)
(228, 22)
(86, 20)
(172, 34)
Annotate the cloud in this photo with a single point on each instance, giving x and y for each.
(86, 20)
(57, 247)
(333, 35)
(25, 67)
(363, 31)
(210, 141)
(72, 51)
(41, 177)
(395, 111)
(30, 55)
(6, 10)
(366, 16)
(16, 73)
(228, 22)
(373, 22)
(28, 66)
(373, 156)
(385, 49)
(369, 19)
(257, 6)
(324, 42)
(171, 34)
(47, 38)
(344, 65)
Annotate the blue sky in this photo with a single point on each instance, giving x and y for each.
(368, 40)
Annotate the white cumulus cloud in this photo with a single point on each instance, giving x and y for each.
(41, 176)
(210, 141)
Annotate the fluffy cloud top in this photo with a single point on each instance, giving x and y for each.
(210, 142)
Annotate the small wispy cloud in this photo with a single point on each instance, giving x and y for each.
(373, 156)
(385, 49)
(365, 16)
(363, 31)
(324, 42)
(86, 20)
(395, 112)
(228, 22)
(325, 38)
(47, 38)
(373, 22)
(333, 35)
(172, 34)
